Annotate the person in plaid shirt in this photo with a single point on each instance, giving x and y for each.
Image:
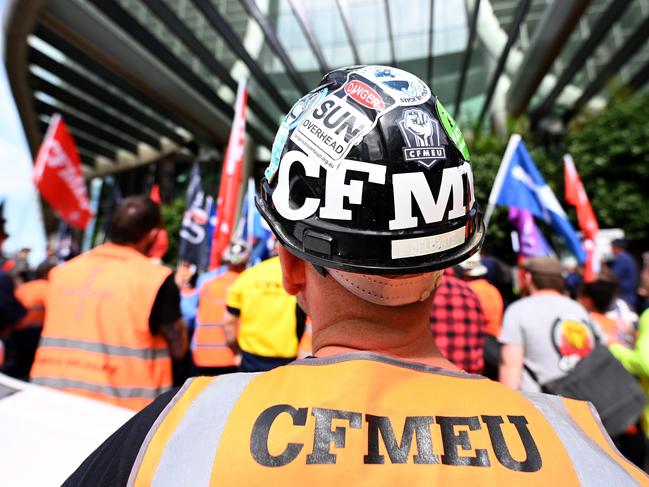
(458, 324)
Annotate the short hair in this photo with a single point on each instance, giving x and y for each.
(548, 281)
(133, 218)
(44, 269)
(601, 292)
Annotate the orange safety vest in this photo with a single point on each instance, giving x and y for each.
(364, 419)
(209, 346)
(32, 295)
(492, 304)
(96, 340)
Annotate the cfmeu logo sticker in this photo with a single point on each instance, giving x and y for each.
(421, 134)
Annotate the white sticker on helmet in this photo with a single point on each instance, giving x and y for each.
(406, 88)
(432, 244)
(336, 124)
(330, 131)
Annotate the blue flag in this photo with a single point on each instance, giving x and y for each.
(520, 184)
(254, 228)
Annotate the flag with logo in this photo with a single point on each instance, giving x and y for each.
(531, 242)
(161, 243)
(231, 175)
(520, 184)
(576, 196)
(57, 175)
(194, 231)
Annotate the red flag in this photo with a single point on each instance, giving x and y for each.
(57, 175)
(576, 196)
(230, 188)
(161, 244)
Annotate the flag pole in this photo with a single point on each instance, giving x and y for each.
(500, 177)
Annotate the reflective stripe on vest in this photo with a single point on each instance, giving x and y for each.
(592, 464)
(198, 453)
(385, 422)
(121, 392)
(117, 350)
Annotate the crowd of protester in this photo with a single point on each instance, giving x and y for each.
(527, 327)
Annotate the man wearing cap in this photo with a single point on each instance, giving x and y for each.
(370, 193)
(544, 334)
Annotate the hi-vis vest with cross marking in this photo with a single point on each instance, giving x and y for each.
(96, 340)
(209, 344)
(363, 419)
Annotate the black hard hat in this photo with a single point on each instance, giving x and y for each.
(370, 174)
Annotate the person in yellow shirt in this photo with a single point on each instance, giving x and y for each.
(266, 321)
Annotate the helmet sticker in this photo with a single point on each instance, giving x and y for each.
(302, 107)
(293, 117)
(421, 135)
(364, 94)
(432, 244)
(338, 122)
(405, 88)
(453, 130)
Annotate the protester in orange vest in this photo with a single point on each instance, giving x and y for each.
(366, 223)
(22, 342)
(214, 344)
(113, 319)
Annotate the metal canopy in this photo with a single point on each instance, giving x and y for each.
(229, 36)
(73, 78)
(122, 18)
(300, 14)
(388, 22)
(521, 11)
(348, 31)
(117, 124)
(640, 78)
(618, 59)
(466, 59)
(273, 41)
(121, 86)
(87, 126)
(140, 80)
(551, 35)
(599, 31)
(429, 60)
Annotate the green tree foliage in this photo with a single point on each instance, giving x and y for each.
(172, 215)
(611, 152)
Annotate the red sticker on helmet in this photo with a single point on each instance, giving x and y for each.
(364, 95)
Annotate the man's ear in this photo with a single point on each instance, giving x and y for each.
(293, 271)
